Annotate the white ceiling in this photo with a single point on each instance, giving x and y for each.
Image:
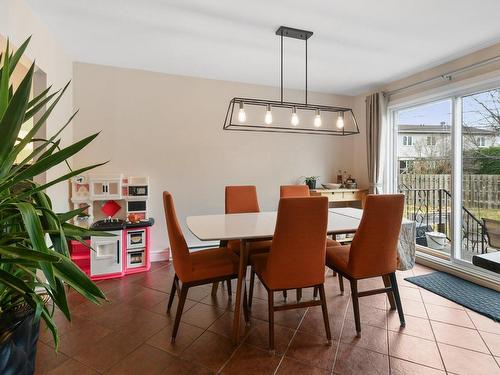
(357, 45)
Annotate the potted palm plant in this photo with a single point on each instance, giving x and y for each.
(35, 269)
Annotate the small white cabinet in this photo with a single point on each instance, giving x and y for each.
(104, 188)
(106, 256)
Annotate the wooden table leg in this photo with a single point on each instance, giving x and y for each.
(239, 291)
(387, 284)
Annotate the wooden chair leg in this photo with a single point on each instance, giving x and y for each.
(172, 294)
(215, 286)
(325, 312)
(355, 305)
(299, 294)
(390, 296)
(229, 291)
(270, 302)
(315, 292)
(341, 284)
(250, 289)
(285, 295)
(246, 311)
(395, 292)
(178, 314)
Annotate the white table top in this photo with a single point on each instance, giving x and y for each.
(255, 225)
(356, 213)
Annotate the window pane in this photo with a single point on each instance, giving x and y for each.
(481, 169)
(424, 156)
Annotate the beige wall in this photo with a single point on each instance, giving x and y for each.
(170, 128)
(17, 22)
(359, 146)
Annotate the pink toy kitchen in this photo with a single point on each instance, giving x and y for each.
(118, 205)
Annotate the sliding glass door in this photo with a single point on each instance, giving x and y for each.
(447, 161)
(480, 151)
(423, 153)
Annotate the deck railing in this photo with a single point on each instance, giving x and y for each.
(431, 210)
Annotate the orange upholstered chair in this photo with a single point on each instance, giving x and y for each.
(373, 252)
(239, 200)
(295, 191)
(296, 259)
(197, 268)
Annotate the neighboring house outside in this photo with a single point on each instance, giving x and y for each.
(432, 143)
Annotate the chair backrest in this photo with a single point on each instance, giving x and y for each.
(492, 228)
(178, 245)
(374, 246)
(294, 191)
(297, 256)
(241, 199)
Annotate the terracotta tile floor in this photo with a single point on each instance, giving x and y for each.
(131, 334)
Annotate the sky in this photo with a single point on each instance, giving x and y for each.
(436, 112)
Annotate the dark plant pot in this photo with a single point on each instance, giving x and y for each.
(18, 352)
(311, 184)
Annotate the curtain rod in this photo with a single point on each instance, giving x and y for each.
(446, 76)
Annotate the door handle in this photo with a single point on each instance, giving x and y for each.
(118, 251)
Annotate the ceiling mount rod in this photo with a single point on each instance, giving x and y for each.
(306, 71)
(281, 66)
(290, 32)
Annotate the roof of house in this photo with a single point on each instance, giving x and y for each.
(442, 129)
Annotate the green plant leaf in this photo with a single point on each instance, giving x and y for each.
(28, 254)
(64, 217)
(4, 83)
(36, 234)
(74, 277)
(13, 115)
(50, 161)
(18, 54)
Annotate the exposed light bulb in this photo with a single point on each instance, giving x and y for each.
(295, 118)
(242, 116)
(340, 120)
(317, 119)
(269, 116)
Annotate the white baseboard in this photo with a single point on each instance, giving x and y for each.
(160, 255)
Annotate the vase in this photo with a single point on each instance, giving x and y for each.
(18, 351)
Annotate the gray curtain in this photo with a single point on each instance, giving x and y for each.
(373, 142)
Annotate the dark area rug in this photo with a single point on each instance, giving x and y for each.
(482, 300)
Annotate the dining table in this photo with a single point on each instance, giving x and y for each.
(257, 226)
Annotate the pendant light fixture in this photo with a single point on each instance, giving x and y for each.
(268, 119)
(242, 116)
(317, 119)
(295, 118)
(327, 120)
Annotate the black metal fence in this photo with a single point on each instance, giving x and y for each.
(431, 210)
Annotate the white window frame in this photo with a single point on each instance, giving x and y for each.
(454, 91)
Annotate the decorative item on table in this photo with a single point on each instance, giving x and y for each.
(350, 183)
(339, 177)
(110, 208)
(331, 186)
(311, 181)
